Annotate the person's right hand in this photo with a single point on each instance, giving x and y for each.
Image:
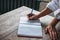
(32, 17)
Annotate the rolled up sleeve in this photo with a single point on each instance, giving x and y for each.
(53, 5)
(57, 14)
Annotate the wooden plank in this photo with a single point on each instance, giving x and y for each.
(10, 20)
(9, 23)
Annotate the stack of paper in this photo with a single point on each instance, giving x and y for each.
(30, 28)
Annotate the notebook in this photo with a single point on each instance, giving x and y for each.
(29, 28)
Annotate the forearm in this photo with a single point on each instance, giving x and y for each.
(44, 12)
(53, 22)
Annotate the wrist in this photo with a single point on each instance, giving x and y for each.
(54, 22)
(38, 16)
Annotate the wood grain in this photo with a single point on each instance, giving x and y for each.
(9, 24)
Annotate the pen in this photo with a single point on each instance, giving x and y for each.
(31, 12)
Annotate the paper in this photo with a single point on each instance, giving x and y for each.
(29, 27)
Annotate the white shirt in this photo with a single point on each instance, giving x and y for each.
(54, 5)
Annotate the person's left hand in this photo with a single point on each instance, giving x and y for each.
(51, 32)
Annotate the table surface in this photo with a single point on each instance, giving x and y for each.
(9, 23)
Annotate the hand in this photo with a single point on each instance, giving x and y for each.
(32, 17)
(52, 32)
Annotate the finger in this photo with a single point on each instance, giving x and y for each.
(46, 31)
(54, 35)
(51, 35)
(30, 18)
(29, 15)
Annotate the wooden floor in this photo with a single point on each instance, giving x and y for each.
(9, 26)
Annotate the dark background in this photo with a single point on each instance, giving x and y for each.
(8, 5)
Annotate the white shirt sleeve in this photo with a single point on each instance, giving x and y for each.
(57, 14)
(53, 5)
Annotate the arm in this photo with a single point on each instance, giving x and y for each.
(44, 12)
(49, 8)
(52, 24)
(51, 29)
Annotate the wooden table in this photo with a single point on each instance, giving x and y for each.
(9, 23)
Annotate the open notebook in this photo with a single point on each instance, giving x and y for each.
(29, 28)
